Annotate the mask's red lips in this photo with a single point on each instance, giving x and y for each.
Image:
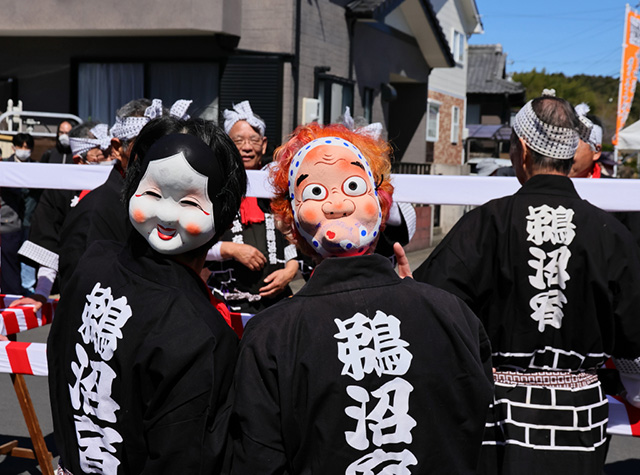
(165, 233)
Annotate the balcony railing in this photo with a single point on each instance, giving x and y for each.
(411, 168)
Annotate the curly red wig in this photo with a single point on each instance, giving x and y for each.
(377, 153)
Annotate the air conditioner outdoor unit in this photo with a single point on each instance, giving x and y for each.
(310, 110)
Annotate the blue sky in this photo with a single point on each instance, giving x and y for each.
(568, 36)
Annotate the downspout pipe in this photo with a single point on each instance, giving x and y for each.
(295, 65)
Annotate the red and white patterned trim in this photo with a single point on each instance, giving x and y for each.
(23, 318)
(20, 357)
(547, 379)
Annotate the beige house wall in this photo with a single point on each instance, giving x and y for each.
(119, 17)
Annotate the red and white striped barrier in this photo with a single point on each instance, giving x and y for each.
(624, 419)
(20, 357)
(24, 317)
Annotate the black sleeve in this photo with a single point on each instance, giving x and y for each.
(445, 269)
(188, 377)
(623, 283)
(256, 429)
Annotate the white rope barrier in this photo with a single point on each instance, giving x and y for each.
(609, 194)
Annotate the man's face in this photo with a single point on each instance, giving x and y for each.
(250, 144)
(584, 160)
(336, 207)
(64, 128)
(171, 208)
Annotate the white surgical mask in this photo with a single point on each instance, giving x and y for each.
(22, 154)
(64, 140)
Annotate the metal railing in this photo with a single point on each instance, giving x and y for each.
(411, 168)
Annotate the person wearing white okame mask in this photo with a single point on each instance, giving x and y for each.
(100, 215)
(360, 371)
(138, 317)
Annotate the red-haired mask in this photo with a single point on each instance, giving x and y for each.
(334, 198)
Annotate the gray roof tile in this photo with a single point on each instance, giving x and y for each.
(486, 72)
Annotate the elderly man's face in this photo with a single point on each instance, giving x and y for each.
(584, 160)
(251, 144)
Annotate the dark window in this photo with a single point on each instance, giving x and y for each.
(104, 87)
(335, 93)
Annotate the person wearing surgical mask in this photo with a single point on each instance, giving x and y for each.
(16, 208)
(43, 244)
(61, 153)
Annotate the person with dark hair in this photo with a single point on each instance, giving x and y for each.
(42, 248)
(360, 372)
(61, 153)
(140, 361)
(100, 216)
(555, 282)
(16, 209)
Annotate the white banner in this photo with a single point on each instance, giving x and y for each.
(609, 194)
(52, 175)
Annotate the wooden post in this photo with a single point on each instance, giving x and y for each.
(42, 454)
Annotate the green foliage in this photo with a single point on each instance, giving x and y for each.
(599, 92)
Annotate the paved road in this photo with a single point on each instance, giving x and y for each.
(623, 457)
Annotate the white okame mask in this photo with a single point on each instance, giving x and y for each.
(171, 207)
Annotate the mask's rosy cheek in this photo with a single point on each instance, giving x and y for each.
(138, 216)
(193, 229)
(370, 209)
(309, 216)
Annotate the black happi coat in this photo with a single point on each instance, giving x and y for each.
(491, 259)
(165, 369)
(240, 286)
(100, 215)
(291, 387)
(485, 261)
(43, 246)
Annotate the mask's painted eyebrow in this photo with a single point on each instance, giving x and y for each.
(357, 164)
(300, 179)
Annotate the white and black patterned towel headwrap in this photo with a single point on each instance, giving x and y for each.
(80, 145)
(551, 141)
(373, 130)
(242, 111)
(595, 137)
(129, 127)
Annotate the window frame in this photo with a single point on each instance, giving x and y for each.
(455, 125)
(323, 91)
(457, 46)
(438, 105)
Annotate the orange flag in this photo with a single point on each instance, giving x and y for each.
(629, 69)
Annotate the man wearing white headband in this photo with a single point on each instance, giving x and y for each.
(554, 280)
(42, 249)
(585, 163)
(253, 264)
